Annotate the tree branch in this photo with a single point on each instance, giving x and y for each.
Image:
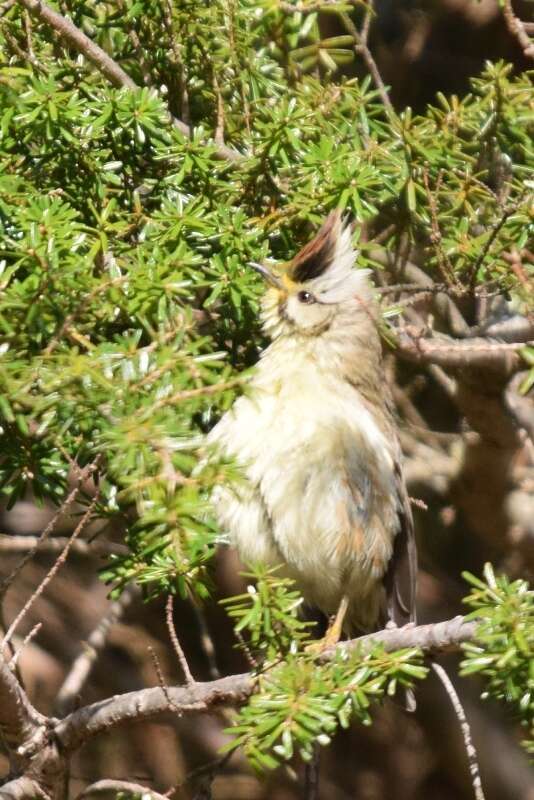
(82, 665)
(501, 357)
(19, 544)
(100, 717)
(124, 787)
(517, 29)
(23, 788)
(19, 720)
(80, 42)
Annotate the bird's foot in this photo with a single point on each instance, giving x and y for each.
(333, 634)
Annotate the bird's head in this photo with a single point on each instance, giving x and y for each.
(318, 286)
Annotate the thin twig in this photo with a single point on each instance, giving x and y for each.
(219, 127)
(51, 572)
(205, 769)
(176, 58)
(517, 29)
(311, 775)
(171, 705)
(7, 581)
(18, 544)
(444, 264)
(464, 727)
(34, 631)
(186, 394)
(189, 680)
(487, 247)
(82, 665)
(360, 46)
(136, 44)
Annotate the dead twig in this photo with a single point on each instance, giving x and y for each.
(33, 544)
(34, 631)
(189, 680)
(81, 667)
(51, 572)
(361, 48)
(464, 727)
(206, 643)
(38, 542)
(518, 29)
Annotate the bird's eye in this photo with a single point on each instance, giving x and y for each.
(306, 297)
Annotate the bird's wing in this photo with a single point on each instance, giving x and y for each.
(400, 578)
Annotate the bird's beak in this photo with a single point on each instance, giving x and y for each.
(270, 277)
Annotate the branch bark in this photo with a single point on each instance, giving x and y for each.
(100, 717)
(124, 787)
(19, 720)
(501, 357)
(517, 29)
(23, 788)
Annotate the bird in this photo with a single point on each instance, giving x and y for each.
(323, 495)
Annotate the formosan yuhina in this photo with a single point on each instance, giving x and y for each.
(324, 494)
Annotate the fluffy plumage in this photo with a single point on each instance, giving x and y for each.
(324, 493)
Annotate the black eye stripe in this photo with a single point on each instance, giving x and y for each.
(306, 297)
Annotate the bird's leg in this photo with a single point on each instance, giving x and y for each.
(335, 629)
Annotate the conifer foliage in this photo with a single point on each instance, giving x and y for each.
(129, 215)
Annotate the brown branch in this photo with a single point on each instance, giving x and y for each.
(83, 664)
(501, 357)
(361, 48)
(517, 29)
(19, 720)
(100, 717)
(50, 574)
(124, 787)
(34, 544)
(180, 655)
(23, 788)
(38, 541)
(431, 638)
(104, 63)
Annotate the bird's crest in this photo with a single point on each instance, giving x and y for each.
(317, 256)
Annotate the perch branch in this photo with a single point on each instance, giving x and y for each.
(92, 720)
(23, 788)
